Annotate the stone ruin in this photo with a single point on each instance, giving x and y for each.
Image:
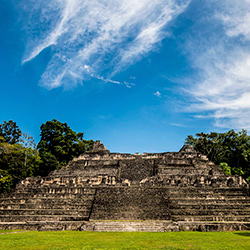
(157, 192)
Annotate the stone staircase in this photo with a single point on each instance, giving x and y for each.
(43, 208)
(206, 204)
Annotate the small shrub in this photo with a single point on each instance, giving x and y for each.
(224, 166)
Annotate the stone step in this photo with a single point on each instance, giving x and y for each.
(64, 196)
(76, 212)
(128, 226)
(45, 195)
(45, 206)
(25, 218)
(64, 193)
(130, 210)
(189, 171)
(171, 172)
(208, 192)
(205, 189)
(212, 212)
(50, 186)
(42, 225)
(41, 205)
(181, 196)
(208, 203)
(213, 226)
(128, 215)
(55, 191)
(13, 226)
(128, 229)
(184, 200)
(235, 218)
(224, 206)
(46, 200)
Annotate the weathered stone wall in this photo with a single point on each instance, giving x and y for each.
(136, 169)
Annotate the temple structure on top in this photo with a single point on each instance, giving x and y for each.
(103, 191)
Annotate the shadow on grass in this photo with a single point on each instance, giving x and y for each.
(247, 234)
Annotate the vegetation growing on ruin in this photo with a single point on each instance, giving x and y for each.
(230, 150)
(125, 240)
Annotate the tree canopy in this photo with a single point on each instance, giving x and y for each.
(21, 158)
(232, 148)
(9, 132)
(59, 144)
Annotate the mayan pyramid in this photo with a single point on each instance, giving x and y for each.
(103, 191)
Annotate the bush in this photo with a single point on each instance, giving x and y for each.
(224, 166)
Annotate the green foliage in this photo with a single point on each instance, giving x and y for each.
(58, 145)
(6, 181)
(18, 162)
(224, 166)
(237, 171)
(9, 132)
(18, 156)
(48, 163)
(232, 148)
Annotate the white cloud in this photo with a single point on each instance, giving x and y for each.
(223, 89)
(157, 93)
(105, 34)
(236, 18)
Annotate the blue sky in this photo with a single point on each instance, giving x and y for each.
(140, 75)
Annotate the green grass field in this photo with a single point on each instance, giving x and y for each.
(123, 240)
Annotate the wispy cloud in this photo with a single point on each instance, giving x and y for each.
(107, 35)
(92, 74)
(177, 125)
(223, 59)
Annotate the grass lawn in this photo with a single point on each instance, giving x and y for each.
(124, 240)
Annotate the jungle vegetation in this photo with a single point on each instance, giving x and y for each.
(20, 157)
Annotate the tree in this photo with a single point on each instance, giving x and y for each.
(59, 144)
(16, 163)
(28, 143)
(9, 132)
(208, 144)
(231, 148)
(18, 156)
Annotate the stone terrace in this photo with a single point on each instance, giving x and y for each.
(103, 191)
